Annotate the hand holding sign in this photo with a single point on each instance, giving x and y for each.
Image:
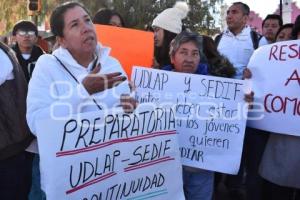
(95, 82)
(249, 98)
(128, 103)
(247, 74)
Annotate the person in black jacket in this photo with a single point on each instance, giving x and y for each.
(27, 52)
(25, 34)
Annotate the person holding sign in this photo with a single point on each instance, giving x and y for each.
(281, 161)
(185, 54)
(79, 76)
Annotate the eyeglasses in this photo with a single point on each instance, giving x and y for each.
(23, 33)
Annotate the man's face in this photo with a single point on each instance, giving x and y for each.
(270, 29)
(236, 19)
(25, 38)
(187, 58)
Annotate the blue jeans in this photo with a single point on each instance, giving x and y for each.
(36, 192)
(198, 185)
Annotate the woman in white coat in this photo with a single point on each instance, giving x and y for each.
(79, 76)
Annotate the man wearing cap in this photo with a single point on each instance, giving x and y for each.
(166, 26)
(25, 34)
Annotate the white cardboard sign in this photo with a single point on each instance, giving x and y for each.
(210, 111)
(276, 83)
(111, 156)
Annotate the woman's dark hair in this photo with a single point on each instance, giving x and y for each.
(245, 7)
(218, 65)
(162, 53)
(57, 22)
(274, 17)
(289, 25)
(104, 15)
(296, 28)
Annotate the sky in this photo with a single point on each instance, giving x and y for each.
(262, 7)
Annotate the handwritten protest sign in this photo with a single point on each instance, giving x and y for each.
(210, 115)
(131, 47)
(111, 156)
(276, 84)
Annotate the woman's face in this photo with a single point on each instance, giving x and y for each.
(285, 34)
(115, 21)
(79, 35)
(158, 36)
(187, 58)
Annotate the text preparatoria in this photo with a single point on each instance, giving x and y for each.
(112, 156)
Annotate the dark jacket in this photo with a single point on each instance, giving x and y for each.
(29, 64)
(14, 132)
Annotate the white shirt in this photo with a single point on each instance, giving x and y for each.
(237, 48)
(53, 93)
(6, 70)
(263, 41)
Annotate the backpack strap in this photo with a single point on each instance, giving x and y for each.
(218, 38)
(255, 39)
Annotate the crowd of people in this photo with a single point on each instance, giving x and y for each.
(79, 59)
